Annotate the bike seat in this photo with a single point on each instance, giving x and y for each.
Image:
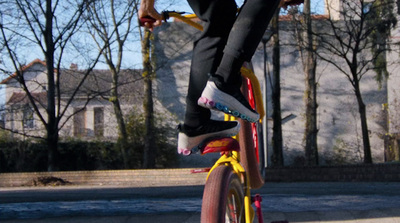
(220, 145)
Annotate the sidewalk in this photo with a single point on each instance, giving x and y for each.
(294, 202)
(374, 216)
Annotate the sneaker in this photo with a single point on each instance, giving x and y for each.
(230, 103)
(191, 138)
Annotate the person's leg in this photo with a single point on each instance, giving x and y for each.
(218, 17)
(222, 91)
(245, 36)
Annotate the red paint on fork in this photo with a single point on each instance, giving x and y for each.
(257, 202)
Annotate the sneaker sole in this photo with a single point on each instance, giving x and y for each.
(213, 98)
(194, 143)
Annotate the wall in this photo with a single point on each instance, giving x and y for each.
(338, 117)
(184, 177)
(351, 173)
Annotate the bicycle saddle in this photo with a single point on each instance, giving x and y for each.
(219, 145)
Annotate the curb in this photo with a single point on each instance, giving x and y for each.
(142, 178)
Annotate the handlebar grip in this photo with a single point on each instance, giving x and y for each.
(145, 19)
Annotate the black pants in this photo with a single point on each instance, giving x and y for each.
(227, 36)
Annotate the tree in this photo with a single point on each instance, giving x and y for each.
(149, 154)
(49, 27)
(110, 24)
(277, 156)
(306, 44)
(350, 40)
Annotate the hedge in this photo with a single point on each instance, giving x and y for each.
(21, 156)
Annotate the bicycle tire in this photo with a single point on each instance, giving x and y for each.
(223, 197)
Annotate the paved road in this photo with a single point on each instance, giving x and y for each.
(295, 202)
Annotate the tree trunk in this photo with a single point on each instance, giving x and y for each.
(364, 125)
(310, 94)
(149, 154)
(123, 135)
(52, 125)
(52, 151)
(277, 156)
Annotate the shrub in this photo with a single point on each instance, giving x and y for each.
(164, 136)
(28, 156)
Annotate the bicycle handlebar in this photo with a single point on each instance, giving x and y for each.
(173, 14)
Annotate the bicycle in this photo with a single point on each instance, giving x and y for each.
(227, 193)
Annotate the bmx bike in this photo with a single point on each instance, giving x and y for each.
(227, 193)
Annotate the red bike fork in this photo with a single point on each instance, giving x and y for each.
(257, 202)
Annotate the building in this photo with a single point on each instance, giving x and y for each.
(87, 113)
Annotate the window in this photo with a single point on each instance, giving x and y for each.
(27, 119)
(79, 122)
(98, 122)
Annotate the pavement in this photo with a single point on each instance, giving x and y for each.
(292, 202)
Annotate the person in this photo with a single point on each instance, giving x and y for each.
(229, 38)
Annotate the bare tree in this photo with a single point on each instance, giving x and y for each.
(110, 25)
(277, 156)
(307, 46)
(49, 27)
(149, 155)
(352, 39)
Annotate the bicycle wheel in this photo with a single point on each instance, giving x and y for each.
(223, 197)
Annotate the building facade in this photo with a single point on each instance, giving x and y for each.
(89, 114)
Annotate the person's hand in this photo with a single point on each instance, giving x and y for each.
(149, 15)
(286, 3)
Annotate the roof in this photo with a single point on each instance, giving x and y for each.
(314, 17)
(97, 83)
(22, 98)
(25, 67)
